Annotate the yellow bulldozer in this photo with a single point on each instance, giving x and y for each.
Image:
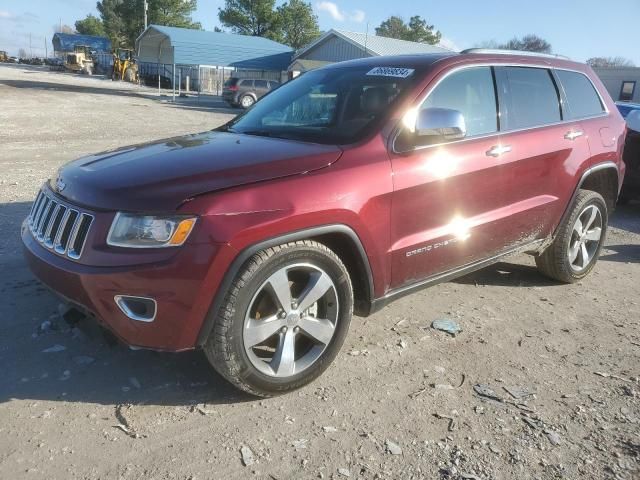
(124, 66)
(3, 56)
(80, 61)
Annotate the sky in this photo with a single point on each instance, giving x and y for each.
(577, 28)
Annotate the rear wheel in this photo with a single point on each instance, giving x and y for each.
(284, 319)
(576, 248)
(247, 101)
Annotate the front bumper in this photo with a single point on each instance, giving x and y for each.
(183, 287)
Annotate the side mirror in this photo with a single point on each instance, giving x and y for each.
(441, 124)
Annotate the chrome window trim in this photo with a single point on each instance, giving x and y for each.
(423, 98)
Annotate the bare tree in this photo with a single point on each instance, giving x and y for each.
(63, 28)
(609, 62)
(22, 53)
(528, 43)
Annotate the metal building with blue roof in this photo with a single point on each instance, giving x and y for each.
(66, 42)
(204, 60)
(183, 46)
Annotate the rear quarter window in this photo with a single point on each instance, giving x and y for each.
(532, 98)
(582, 97)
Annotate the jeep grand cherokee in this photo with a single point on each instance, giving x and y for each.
(339, 192)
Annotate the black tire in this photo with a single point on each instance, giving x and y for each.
(225, 346)
(129, 75)
(248, 99)
(554, 261)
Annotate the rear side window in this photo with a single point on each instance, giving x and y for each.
(471, 92)
(532, 98)
(261, 84)
(581, 95)
(246, 83)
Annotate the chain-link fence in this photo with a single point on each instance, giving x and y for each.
(198, 79)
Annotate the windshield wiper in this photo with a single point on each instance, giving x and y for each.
(257, 133)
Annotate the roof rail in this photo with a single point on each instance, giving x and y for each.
(500, 51)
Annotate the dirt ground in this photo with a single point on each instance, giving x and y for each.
(398, 403)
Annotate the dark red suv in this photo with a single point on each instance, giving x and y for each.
(337, 193)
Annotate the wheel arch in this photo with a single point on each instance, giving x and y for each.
(340, 238)
(603, 178)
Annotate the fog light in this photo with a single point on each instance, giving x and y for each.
(141, 309)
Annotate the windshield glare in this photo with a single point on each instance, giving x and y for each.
(336, 106)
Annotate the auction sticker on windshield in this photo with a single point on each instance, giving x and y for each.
(391, 72)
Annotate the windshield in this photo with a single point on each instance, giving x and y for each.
(333, 106)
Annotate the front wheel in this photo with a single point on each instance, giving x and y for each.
(283, 320)
(576, 248)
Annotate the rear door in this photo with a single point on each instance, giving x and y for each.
(261, 87)
(245, 86)
(545, 149)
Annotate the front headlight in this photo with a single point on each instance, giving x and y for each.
(149, 231)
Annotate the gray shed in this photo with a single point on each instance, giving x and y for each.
(340, 45)
(622, 83)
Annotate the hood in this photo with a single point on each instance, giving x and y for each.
(159, 176)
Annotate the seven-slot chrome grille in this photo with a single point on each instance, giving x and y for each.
(58, 226)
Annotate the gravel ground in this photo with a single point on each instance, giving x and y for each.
(402, 400)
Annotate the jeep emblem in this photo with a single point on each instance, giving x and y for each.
(60, 185)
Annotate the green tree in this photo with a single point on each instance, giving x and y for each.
(417, 30)
(392, 27)
(112, 21)
(91, 25)
(298, 23)
(251, 17)
(123, 20)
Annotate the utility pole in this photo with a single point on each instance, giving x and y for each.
(46, 52)
(146, 7)
(30, 49)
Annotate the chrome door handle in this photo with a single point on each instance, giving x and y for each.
(573, 134)
(498, 150)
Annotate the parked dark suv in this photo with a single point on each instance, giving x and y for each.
(244, 92)
(341, 191)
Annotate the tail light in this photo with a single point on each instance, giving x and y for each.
(232, 88)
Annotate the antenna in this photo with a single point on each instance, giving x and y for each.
(366, 38)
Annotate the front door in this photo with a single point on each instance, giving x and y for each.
(457, 202)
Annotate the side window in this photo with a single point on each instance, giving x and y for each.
(626, 92)
(581, 95)
(532, 99)
(471, 92)
(260, 83)
(246, 83)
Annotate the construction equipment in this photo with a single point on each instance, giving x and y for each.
(80, 61)
(3, 56)
(124, 65)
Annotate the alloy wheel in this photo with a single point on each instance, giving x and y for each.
(291, 320)
(585, 238)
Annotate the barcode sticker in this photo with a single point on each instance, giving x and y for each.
(398, 72)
